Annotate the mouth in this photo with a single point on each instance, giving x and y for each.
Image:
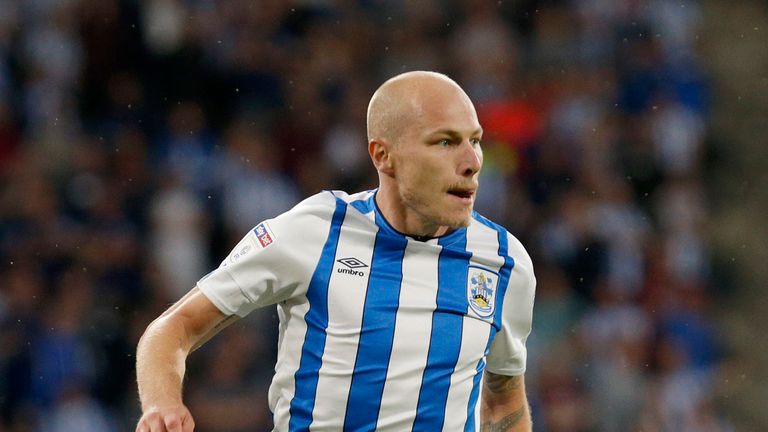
(464, 194)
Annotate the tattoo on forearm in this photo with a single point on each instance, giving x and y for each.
(505, 423)
(502, 383)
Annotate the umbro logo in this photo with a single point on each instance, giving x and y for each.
(351, 264)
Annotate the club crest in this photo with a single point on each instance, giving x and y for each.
(481, 291)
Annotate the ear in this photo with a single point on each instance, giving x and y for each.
(381, 155)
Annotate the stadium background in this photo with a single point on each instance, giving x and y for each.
(625, 146)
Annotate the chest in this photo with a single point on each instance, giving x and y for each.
(373, 287)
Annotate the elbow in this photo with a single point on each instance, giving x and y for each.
(165, 331)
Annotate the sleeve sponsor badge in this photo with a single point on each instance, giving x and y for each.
(481, 291)
(264, 234)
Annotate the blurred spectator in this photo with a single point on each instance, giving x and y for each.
(251, 185)
(186, 146)
(239, 386)
(179, 239)
(77, 412)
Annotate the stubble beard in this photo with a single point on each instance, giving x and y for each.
(432, 218)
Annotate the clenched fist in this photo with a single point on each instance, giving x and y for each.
(174, 418)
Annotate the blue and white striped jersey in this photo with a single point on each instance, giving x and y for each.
(379, 331)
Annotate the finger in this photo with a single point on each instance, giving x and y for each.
(155, 423)
(188, 425)
(172, 422)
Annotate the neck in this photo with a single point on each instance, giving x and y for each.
(405, 219)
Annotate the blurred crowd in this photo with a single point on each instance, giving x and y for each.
(139, 140)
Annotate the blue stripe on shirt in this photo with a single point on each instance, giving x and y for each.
(377, 332)
(306, 376)
(504, 274)
(445, 340)
(364, 206)
(473, 395)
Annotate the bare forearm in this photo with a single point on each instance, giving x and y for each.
(504, 405)
(517, 420)
(161, 363)
(161, 360)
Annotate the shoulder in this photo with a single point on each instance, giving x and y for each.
(319, 203)
(306, 221)
(328, 201)
(518, 252)
(317, 208)
(511, 246)
(514, 247)
(320, 210)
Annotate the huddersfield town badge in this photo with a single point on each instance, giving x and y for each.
(481, 291)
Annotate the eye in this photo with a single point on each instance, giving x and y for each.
(475, 142)
(444, 142)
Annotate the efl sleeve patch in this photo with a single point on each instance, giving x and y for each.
(265, 235)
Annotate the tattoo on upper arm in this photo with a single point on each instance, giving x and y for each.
(502, 383)
(505, 423)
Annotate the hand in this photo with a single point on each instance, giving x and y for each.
(174, 418)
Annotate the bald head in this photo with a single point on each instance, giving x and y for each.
(401, 100)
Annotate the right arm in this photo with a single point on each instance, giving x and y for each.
(265, 268)
(161, 360)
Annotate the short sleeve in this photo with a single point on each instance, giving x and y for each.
(507, 354)
(274, 261)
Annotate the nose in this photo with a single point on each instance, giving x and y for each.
(471, 159)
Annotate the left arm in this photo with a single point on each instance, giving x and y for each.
(504, 407)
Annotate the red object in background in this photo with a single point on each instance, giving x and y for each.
(9, 142)
(516, 123)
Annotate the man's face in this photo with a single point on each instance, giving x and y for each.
(438, 158)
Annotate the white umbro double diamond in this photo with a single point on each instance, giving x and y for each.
(352, 263)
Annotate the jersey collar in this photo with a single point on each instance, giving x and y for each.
(384, 225)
